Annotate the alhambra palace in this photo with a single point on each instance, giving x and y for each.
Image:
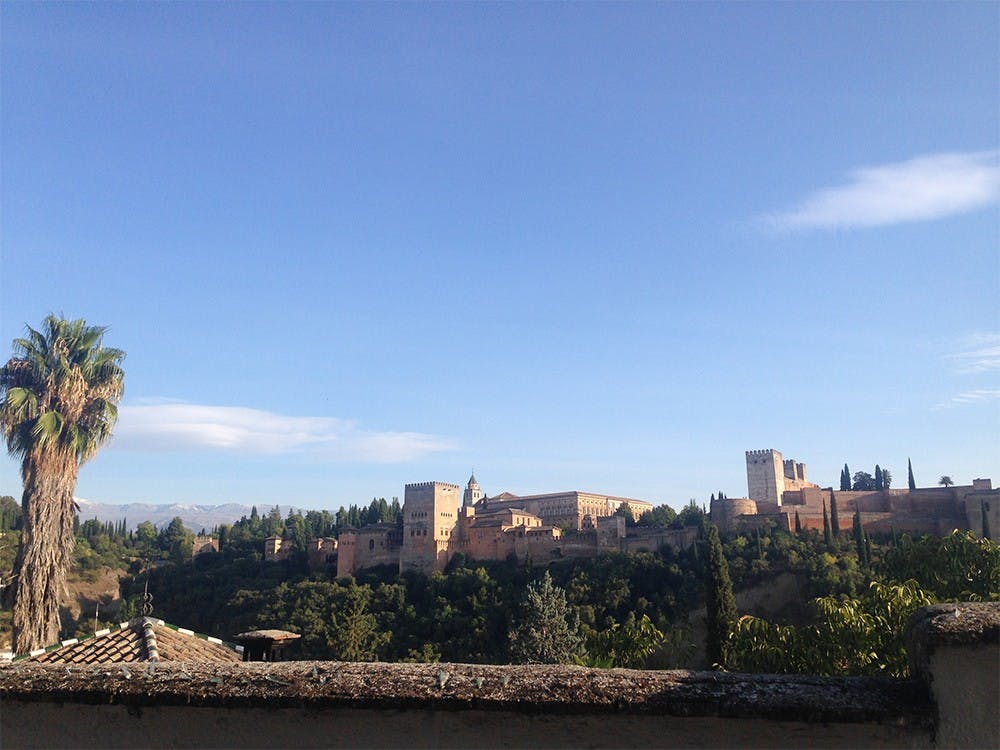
(440, 520)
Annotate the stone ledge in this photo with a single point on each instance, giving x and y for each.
(947, 625)
(531, 689)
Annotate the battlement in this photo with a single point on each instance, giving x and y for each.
(425, 485)
(763, 452)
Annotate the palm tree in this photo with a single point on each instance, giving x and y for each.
(946, 481)
(58, 404)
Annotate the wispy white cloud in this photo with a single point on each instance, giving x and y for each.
(981, 353)
(926, 187)
(977, 397)
(179, 426)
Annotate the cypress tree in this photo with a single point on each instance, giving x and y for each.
(859, 537)
(868, 550)
(986, 520)
(720, 605)
(845, 479)
(834, 516)
(798, 523)
(879, 482)
(827, 540)
(909, 475)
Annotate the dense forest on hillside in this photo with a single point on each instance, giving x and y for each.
(617, 609)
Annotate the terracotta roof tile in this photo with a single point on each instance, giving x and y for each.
(128, 644)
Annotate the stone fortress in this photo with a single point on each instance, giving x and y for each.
(441, 520)
(778, 491)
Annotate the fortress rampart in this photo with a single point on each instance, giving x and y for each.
(725, 512)
(927, 510)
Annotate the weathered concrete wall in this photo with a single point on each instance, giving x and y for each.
(333, 704)
(955, 650)
(36, 725)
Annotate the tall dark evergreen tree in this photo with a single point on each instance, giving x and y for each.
(834, 516)
(720, 604)
(909, 475)
(859, 537)
(879, 481)
(798, 523)
(986, 520)
(845, 479)
(827, 539)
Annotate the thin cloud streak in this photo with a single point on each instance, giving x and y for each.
(923, 188)
(982, 354)
(178, 426)
(977, 397)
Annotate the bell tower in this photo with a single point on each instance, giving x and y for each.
(473, 494)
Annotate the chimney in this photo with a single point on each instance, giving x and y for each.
(265, 645)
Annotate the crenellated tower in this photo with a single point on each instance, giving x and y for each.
(765, 476)
(430, 516)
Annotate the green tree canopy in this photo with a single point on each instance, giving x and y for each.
(863, 481)
(662, 516)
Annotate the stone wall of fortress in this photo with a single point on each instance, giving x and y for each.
(368, 547)
(781, 490)
(930, 510)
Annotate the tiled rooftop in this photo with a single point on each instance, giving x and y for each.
(141, 639)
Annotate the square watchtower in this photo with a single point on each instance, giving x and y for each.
(430, 515)
(765, 476)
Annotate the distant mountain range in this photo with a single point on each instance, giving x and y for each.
(195, 517)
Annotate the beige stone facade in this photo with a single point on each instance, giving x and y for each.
(430, 518)
(321, 551)
(770, 475)
(375, 544)
(576, 510)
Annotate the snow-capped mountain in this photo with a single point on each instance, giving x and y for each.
(195, 517)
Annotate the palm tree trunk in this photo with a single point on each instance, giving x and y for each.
(46, 547)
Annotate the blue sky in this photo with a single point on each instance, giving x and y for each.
(573, 246)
